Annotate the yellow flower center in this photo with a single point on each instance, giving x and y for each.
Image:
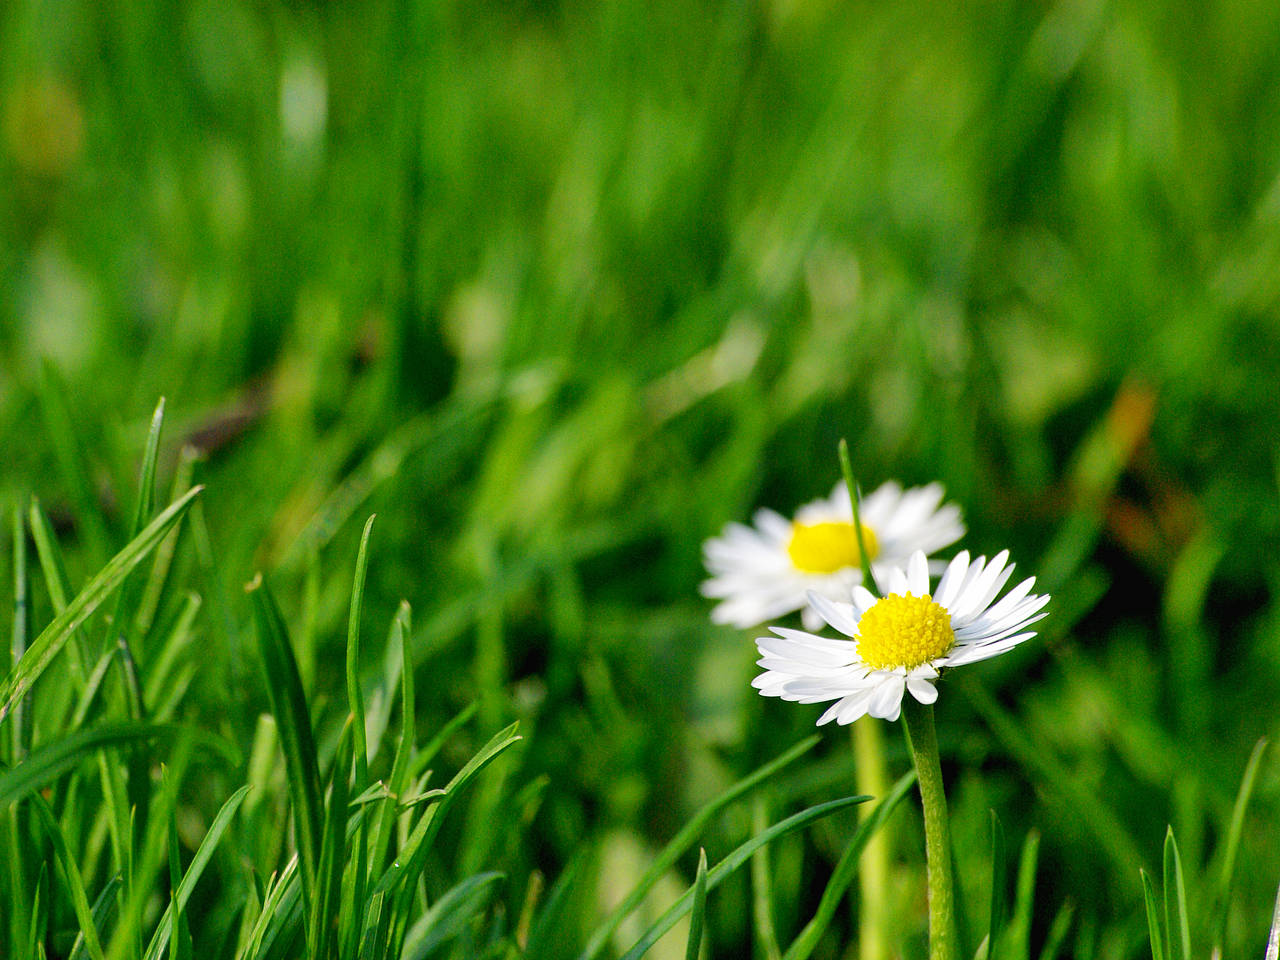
(828, 547)
(904, 632)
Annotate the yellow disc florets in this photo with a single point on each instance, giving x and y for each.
(905, 632)
(828, 547)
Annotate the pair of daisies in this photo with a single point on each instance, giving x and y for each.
(896, 643)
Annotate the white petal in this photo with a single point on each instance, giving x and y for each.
(918, 574)
(886, 702)
(952, 578)
(898, 582)
(842, 616)
(923, 690)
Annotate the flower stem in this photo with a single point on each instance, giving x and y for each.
(917, 719)
(873, 872)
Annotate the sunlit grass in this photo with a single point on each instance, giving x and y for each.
(556, 292)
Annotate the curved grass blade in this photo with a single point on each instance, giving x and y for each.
(732, 863)
(293, 721)
(1175, 901)
(412, 856)
(50, 761)
(449, 915)
(203, 854)
(696, 920)
(846, 869)
(1227, 878)
(71, 873)
(682, 841)
(46, 646)
(855, 500)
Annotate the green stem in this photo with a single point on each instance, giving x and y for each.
(873, 873)
(917, 719)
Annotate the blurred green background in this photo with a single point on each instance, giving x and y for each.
(558, 289)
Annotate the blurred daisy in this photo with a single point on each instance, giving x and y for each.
(899, 642)
(766, 571)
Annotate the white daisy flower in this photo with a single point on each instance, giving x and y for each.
(764, 572)
(899, 642)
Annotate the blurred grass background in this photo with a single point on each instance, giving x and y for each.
(558, 289)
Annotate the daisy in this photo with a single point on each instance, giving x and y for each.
(766, 571)
(899, 642)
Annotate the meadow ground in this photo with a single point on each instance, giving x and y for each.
(557, 291)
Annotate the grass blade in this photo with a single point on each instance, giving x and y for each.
(322, 924)
(102, 908)
(762, 896)
(694, 947)
(1057, 932)
(180, 947)
(18, 643)
(46, 646)
(846, 869)
(731, 863)
(998, 872)
(682, 841)
(1175, 901)
(203, 854)
(1155, 926)
(1227, 878)
(400, 777)
(50, 761)
(71, 873)
(449, 915)
(293, 722)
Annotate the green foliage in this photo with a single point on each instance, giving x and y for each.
(558, 290)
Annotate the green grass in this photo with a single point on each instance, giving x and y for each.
(556, 291)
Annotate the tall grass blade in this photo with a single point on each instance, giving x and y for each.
(1175, 901)
(46, 646)
(322, 925)
(18, 639)
(731, 863)
(71, 873)
(293, 722)
(846, 869)
(762, 895)
(102, 908)
(400, 776)
(683, 840)
(998, 880)
(698, 917)
(1155, 925)
(203, 854)
(1226, 878)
